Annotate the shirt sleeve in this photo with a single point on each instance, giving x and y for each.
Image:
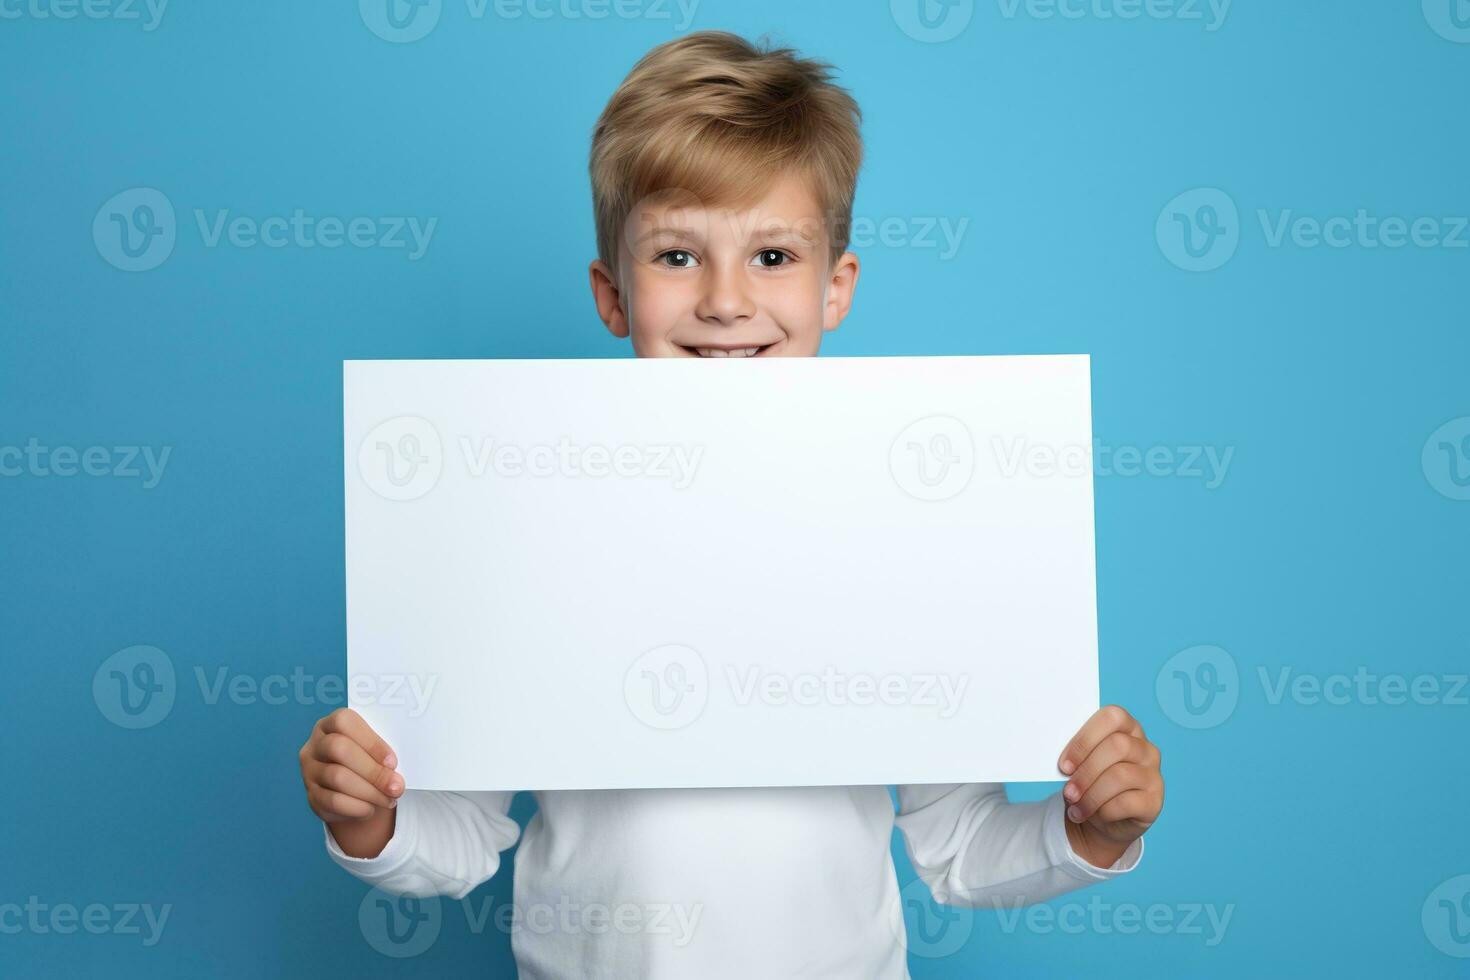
(975, 848)
(443, 844)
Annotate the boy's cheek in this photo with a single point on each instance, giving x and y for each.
(803, 346)
(654, 316)
(655, 348)
(651, 334)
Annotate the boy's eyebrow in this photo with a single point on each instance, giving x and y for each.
(664, 231)
(787, 234)
(781, 234)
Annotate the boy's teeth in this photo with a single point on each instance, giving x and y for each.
(717, 352)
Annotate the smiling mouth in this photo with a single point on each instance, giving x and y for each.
(727, 351)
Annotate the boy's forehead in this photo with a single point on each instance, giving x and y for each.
(784, 205)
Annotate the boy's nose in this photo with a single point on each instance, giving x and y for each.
(725, 299)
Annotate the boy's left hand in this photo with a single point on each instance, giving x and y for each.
(1116, 789)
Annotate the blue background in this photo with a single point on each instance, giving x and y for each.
(1326, 548)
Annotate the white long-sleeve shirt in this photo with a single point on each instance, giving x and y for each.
(711, 883)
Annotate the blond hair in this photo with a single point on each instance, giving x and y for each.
(712, 115)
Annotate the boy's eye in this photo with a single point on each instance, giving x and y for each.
(770, 258)
(676, 258)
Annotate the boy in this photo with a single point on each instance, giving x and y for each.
(723, 179)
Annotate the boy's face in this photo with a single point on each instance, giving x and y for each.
(720, 282)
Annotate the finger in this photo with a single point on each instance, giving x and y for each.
(1133, 804)
(1113, 749)
(1106, 720)
(338, 748)
(1114, 780)
(344, 780)
(348, 722)
(331, 805)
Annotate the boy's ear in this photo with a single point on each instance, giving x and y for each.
(609, 301)
(840, 286)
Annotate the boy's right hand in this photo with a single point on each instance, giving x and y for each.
(350, 782)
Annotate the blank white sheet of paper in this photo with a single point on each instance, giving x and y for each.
(597, 574)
